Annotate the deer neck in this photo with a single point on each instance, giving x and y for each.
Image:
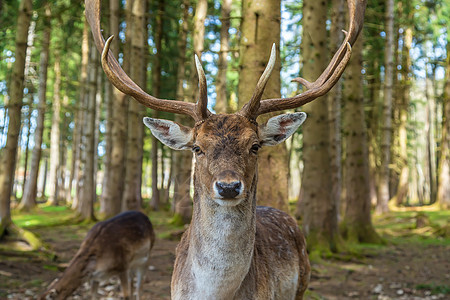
(221, 243)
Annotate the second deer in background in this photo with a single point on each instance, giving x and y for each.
(118, 246)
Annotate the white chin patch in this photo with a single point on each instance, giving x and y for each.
(228, 203)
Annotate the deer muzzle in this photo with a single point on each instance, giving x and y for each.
(228, 185)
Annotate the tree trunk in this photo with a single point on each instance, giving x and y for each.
(163, 171)
(79, 119)
(394, 174)
(357, 224)
(383, 180)
(222, 65)
(155, 203)
(29, 86)
(443, 191)
(63, 144)
(98, 109)
(8, 158)
(44, 178)
(27, 144)
(107, 140)
(183, 159)
(87, 184)
(112, 197)
(260, 29)
(404, 97)
(108, 104)
(138, 39)
(320, 208)
(430, 146)
(373, 125)
(334, 99)
(55, 135)
(29, 195)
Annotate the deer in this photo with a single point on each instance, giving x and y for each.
(118, 246)
(233, 249)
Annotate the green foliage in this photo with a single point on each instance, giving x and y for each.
(400, 227)
(434, 289)
(44, 216)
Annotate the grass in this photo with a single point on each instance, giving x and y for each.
(400, 227)
(43, 216)
(162, 220)
(434, 289)
(48, 216)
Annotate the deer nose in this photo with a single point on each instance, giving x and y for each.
(228, 189)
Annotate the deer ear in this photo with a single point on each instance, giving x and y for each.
(171, 134)
(279, 128)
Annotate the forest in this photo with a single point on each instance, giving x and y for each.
(366, 177)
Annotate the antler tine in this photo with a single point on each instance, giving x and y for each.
(331, 74)
(349, 38)
(120, 79)
(252, 106)
(201, 106)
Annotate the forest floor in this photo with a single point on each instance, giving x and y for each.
(414, 263)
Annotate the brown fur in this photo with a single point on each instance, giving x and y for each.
(242, 251)
(109, 248)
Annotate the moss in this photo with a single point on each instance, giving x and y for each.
(42, 216)
(400, 227)
(319, 246)
(359, 233)
(177, 220)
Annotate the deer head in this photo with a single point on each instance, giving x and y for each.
(226, 146)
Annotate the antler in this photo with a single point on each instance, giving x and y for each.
(323, 84)
(122, 82)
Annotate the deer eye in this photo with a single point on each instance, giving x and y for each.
(197, 150)
(255, 148)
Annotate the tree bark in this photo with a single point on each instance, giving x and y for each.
(222, 65)
(138, 37)
(334, 99)
(260, 28)
(78, 128)
(404, 97)
(87, 183)
(55, 135)
(27, 144)
(443, 191)
(430, 167)
(374, 61)
(8, 157)
(182, 204)
(29, 86)
(28, 201)
(155, 203)
(63, 145)
(44, 177)
(112, 198)
(108, 104)
(383, 180)
(320, 208)
(357, 224)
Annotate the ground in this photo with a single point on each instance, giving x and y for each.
(412, 265)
